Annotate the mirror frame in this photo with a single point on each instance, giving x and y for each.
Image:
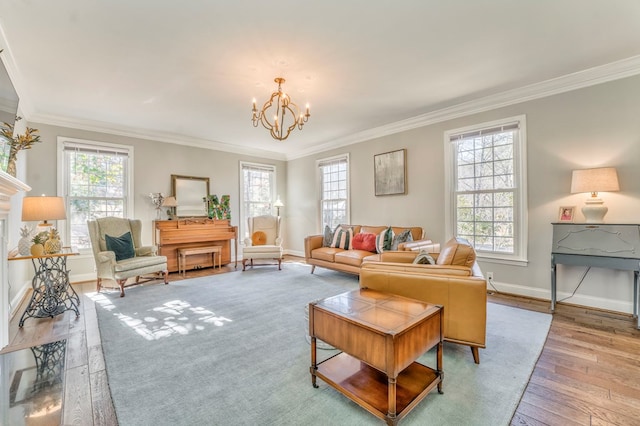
(192, 189)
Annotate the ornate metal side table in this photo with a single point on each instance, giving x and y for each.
(52, 293)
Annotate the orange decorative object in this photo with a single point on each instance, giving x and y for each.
(259, 238)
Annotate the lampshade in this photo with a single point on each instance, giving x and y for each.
(604, 179)
(170, 202)
(43, 208)
(278, 203)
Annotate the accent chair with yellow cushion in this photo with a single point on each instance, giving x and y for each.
(264, 240)
(454, 281)
(119, 253)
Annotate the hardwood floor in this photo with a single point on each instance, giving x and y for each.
(587, 374)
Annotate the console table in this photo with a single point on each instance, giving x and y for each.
(612, 246)
(52, 293)
(172, 235)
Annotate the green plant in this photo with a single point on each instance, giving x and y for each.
(40, 238)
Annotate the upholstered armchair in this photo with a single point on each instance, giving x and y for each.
(119, 253)
(264, 240)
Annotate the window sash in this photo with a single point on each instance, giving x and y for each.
(258, 191)
(334, 191)
(487, 187)
(88, 198)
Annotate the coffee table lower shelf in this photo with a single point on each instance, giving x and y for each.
(369, 387)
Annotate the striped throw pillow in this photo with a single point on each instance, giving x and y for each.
(384, 240)
(342, 238)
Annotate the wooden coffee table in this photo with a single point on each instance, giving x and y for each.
(380, 336)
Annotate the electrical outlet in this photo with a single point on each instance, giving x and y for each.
(490, 276)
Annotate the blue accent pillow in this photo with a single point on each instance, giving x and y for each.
(403, 237)
(122, 246)
(327, 237)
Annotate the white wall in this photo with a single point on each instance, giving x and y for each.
(154, 163)
(596, 126)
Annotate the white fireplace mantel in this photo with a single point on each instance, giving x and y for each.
(8, 187)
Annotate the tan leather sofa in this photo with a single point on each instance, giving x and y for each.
(455, 282)
(350, 260)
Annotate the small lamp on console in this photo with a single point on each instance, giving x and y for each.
(278, 203)
(43, 209)
(170, 202)
(603, 179)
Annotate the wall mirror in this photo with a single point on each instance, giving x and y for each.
(8, 111)
(189, 192)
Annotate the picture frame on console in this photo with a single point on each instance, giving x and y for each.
(566, 213)
(390, 173)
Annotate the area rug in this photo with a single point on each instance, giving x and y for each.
(230, 349)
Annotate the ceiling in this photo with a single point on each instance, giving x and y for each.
(186, 72)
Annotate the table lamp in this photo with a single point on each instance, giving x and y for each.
(604, 179)
(170, 202)
(277, 205)
(43, 208)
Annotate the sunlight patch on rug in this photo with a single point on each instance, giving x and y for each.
(176, 317)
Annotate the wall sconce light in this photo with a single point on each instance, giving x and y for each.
(604, 179)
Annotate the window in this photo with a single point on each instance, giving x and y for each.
(258, 183)
(334, 191)
(96, 180)
(486, 187)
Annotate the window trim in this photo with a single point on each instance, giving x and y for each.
(521, 226)
(319, 162)
(62, 143)
(242, 225)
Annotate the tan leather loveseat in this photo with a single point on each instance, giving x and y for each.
(350, 260)
(455, 282)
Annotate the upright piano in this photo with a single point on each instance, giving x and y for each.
(171, 235)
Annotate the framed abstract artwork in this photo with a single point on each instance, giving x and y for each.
(390, 172)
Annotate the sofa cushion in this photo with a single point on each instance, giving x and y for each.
(122, 246)
(457, 251)
(402, 237)
(342, 238)
(325, 253)
(364, 241)
(424, 258)
(384, 240)
(351, 257)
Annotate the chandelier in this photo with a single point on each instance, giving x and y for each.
(279, 115)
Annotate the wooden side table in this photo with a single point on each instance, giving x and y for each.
(381, 335)
(52, 292)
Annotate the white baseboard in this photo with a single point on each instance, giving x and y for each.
(19, 298)
(294, 253)
(582, 300)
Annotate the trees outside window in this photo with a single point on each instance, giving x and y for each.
(95, 180)
(486, 187)
(334, 191)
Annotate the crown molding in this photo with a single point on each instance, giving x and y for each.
(590, 77)
(132, 132)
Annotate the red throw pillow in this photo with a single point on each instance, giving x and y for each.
(364, 241)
